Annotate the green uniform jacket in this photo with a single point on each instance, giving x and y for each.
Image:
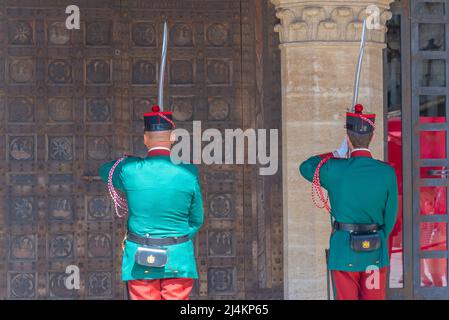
(361, 190)
(164, 200)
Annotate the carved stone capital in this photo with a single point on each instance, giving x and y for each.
(338, 20)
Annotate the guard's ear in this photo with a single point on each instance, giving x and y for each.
(145, 139)
(172, 137)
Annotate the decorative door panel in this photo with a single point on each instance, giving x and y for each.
(73, 99)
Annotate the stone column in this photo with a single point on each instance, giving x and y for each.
(319, 48)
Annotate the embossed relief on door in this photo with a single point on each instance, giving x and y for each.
(73, 99)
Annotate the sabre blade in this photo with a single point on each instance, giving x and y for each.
(160, 100)
(355, 95)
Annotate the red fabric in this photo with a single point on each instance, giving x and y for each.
(159, 152)
(395, 160)
(160, 289)
(361, 153)
(352, 285)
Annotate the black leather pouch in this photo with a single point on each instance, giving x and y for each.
(151, 257)
(365, 242)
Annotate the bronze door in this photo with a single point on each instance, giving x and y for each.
(73, 99)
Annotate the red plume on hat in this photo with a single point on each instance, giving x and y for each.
(358, 108)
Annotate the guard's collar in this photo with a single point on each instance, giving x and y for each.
(159, 151)
(361, 152)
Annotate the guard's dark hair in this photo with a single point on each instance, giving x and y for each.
(360, 140)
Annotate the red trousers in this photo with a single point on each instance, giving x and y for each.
(359, 285)
(160, 289)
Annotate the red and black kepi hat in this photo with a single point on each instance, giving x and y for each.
(158, 120)
(359, 122)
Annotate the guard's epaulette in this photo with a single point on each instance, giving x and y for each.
(190, 167)
(131, 156)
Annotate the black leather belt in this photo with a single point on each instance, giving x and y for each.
(355, 227)
(145, 241)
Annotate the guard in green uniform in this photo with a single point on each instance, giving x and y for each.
(364, 203)
(165, 211)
